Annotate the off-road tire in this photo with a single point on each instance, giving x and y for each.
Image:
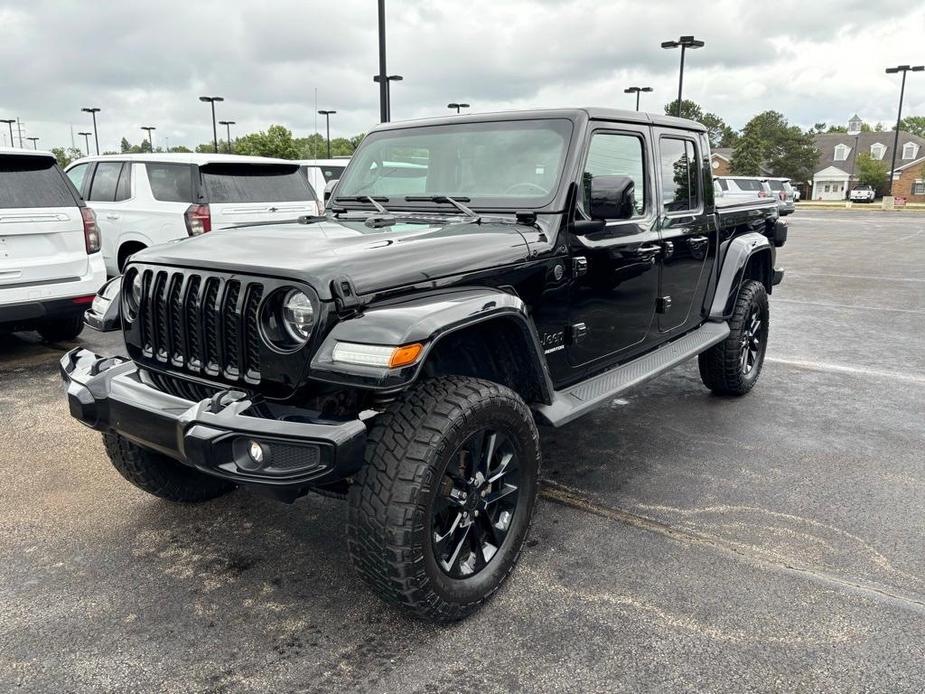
(720, 366)
(409, 445)
(62, 330)
(162, 476)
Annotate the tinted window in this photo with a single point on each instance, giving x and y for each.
(776, 185)
(679, 174)
(331, 172)
(77, 175)
(749, 184)
(32, 182)
(613, 154)
(254, 183)
(124, 187)
(171, 182)
(723, 183)
(105, 180)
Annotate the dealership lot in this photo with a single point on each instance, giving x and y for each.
(684, 541)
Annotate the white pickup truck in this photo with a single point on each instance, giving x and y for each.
(863, 193)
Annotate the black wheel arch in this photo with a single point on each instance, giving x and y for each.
(747, 257)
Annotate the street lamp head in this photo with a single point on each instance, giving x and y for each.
(85, 134)
(457, 106)
(685, 41)
(227, 122)
(326, 113)
(395, 78)
(647, 89)
(91, 109)
(670, 44)
(918, 68)
(7, 121)
(148, 127)
(211, 98)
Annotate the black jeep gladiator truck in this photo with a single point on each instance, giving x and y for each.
(473, 276)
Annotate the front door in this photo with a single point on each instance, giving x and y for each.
(686, 232)
(615, 271)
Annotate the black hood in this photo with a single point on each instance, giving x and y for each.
(374, 259)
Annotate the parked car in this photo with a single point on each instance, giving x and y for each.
(320, 172)
(401, 350)
(142, 200)
(50, 261)
(744, 187)
(863, 193)
(785, 194)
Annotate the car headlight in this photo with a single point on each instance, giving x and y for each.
(298, 315)
(287, 318)
(132, 294)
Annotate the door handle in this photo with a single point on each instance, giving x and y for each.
(698, 239)
(112, 216)
(648, 250)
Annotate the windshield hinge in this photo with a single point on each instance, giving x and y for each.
(345, 295)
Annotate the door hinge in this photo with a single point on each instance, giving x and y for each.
(579, 266)
(578, 332)
(662, 304)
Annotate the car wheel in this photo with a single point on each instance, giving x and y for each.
(62, 330)
(733, 366)
(162, 476)
(440, 512)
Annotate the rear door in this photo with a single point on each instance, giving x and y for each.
(108, 192)
(245, 193)
(41, 229)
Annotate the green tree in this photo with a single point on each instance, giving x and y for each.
(689, 109)
(780, 148)
(871, 172)
(837, 129)
(720, 134)
(180, 148)
(277, 142)
(912, 124)
(66, 156)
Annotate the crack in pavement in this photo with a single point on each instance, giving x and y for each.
(575, 499)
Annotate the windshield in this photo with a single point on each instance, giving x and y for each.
(513, 164)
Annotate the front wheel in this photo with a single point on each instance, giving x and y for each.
(440, 512)
(732, 367)
(63, 330)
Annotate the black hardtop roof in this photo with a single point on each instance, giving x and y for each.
(589, 112)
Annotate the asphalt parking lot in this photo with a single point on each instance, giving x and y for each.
(685, 542)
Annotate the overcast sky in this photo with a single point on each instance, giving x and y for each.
(146, 63)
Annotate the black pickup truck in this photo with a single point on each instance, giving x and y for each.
(473, 276)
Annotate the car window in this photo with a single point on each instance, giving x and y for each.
(615, 154)
(749, 184)
(77, 174)
(679, 174)
(124, 187)
(331, 173)
(171, 182)
(723, 183)
(105, 180)
(776, 185)
(30, 181)
(224, 183)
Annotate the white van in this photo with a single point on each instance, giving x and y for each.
(50, 261)
(142, 200)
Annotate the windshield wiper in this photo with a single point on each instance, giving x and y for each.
(455, 202)
(365, 198)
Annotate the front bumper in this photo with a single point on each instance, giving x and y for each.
(215, 434)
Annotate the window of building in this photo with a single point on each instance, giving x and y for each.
(910, 150)
(841, 152)
(877, 150)
(918, 188)
(826, 188)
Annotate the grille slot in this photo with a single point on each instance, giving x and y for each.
(203, 324)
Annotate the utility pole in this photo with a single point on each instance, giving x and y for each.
(33, 140)
(86, 141)
(93, 110)
(149, 129)
(212, 100)
(327, 121)
(899, 114)
(227, 124)
(383, 78)
(684, 43)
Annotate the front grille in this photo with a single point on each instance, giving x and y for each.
(203, 324)
(181, 387)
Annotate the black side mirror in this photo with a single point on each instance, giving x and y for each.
(612, 197)
(329, 189)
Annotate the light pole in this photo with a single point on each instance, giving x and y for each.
(383, 78)
(9, 122)
(227, 124)
(457, 106)
(33, 140)
(212, 100)
(93, 110)
(149, 129)
(684, 43)
(86, 141)
(630, 90)
(327, 122)
(899, 115)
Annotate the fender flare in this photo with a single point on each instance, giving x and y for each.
(740, 251)
(427, 319)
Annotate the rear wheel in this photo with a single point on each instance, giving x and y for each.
(440, 512)
(161, 476)
(732, 367)
(61, 330)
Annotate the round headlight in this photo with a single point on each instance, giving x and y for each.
(298, 315)
(133, 295)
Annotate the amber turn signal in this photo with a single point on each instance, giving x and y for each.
(402, 356)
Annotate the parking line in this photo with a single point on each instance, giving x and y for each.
(875, 278)
(858, 308)
(851, 370)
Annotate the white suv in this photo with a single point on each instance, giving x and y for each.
(320, 172)
(50, 261)
(145, 199)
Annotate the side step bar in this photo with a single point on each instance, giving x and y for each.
(576, 400)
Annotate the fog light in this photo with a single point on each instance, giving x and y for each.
(255, 451)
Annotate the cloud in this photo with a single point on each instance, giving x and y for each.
(147, 62)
